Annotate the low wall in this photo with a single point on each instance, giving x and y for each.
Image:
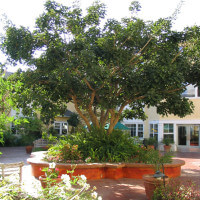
(95, 171)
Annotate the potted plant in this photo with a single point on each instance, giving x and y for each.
(152, 181)
(51, 176)
(150, 142)
(167, 144)
(27, 141)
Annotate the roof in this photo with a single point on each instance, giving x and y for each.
(68, 113)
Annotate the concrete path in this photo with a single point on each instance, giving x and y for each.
(122, 189)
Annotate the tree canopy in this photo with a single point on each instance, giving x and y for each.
(102, 65)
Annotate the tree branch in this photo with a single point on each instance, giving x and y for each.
(86, 81)
(79, 111)
(173, 60)
(90, 111)
(140, 50)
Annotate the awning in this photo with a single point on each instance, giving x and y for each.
(119, 126)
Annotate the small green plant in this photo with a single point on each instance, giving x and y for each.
(71, 187)
(167, 141)
(51, 171)
(174, 190)
(151, 156)
(88, 159)
(151, 141)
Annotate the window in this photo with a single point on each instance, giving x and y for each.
(132, 128)
(154, 131)
(191, 91)
(168, 130)
(61, 127)
(140, 130)
(136, 129)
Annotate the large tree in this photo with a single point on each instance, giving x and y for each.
(103, 65)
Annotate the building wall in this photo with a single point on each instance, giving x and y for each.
(188, 121)
(195, 115)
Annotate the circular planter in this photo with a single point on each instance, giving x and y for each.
(95, 171)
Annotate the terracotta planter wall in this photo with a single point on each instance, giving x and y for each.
(95, 171)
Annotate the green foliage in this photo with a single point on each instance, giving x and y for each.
(7, 96)
(51, 172)
(26, 130)
(73, 120)
(177, 190)
(104, 147)
(30, 126)
(167, 141)
(150, 141)
(71, 187)
(27, 139)
(12, 191)
(64, 152)
(10, 140)
(151, 156)
(38, 149)
(103, 67)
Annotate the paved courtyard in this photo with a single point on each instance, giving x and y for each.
(122, 189)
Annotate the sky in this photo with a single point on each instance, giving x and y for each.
(24, 12)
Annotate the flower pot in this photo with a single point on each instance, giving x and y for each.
(151, 183)
(167, 148)
(29, 149)
(44, 183)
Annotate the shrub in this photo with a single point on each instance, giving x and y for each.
(98, 146)
(174, 190)
(10, 139)
(31, 126)
(151, 156)
(64, 152)
(102, 147)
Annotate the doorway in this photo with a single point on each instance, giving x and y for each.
(188, 135)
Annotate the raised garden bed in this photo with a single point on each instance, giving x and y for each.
(105, 170)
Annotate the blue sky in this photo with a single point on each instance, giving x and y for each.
(24, 12)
